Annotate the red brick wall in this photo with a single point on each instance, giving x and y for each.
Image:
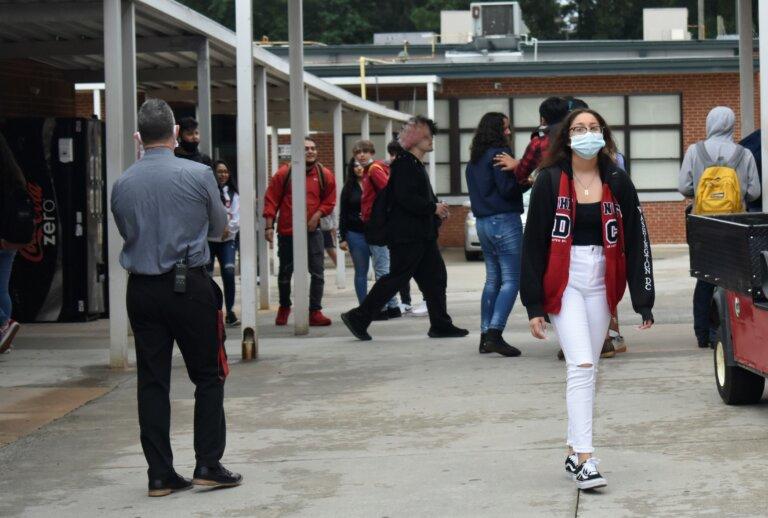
(30, 89)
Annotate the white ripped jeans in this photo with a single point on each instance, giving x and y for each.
(581, 326)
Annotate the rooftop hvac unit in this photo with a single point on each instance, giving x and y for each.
(497, 19)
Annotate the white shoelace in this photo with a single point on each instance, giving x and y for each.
(590, 466)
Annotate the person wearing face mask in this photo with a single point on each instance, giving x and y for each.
(584, 240)
(189, 141)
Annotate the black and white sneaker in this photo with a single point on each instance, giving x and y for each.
(587, 476)
(572, 465)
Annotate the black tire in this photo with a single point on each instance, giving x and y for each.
(472, 256)
(735, 385)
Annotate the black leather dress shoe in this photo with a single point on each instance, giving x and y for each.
(447, 332)
(216, 476)
(172, 484)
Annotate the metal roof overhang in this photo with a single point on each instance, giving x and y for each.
(68, 35)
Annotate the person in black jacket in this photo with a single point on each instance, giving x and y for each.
(352, 228)
(585, 237)
(414, 216)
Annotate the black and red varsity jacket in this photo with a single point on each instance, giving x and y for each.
(538, 236)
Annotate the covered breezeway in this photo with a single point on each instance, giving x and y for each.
(169, 51)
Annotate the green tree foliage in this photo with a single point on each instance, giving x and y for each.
(355, 21)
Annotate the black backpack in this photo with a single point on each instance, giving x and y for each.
(376, 226)
(17, 218)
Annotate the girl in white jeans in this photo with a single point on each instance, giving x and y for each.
(584, 241)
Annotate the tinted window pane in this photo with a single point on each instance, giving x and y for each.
(654, 109)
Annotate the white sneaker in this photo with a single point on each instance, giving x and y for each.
(405, 308)
(420, 310)
(7, 333)
(587, 476)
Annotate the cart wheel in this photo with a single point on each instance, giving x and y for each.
(736, 386)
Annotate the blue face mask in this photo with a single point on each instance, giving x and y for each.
(587, 145)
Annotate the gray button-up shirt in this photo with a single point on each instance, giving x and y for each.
(162, 205)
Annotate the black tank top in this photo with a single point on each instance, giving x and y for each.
(587, 229)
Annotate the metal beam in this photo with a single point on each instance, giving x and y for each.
(246, 161)
(298, 180)
(14, 13)
(262, 177)
(746, 68)
(338, 167)
(113, 53)
(431, 115)
(365, 126)
(387, 134)
(204, 97)
(95, 47)
(274, 162)
(763, 24)
(154, 75)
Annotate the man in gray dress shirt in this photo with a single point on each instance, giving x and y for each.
(165, 209)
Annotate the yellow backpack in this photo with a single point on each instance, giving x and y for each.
(718, 191)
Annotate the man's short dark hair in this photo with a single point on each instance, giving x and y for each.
(155, 121)
(421, 119)
(575, 104)
(309, 138)
(553, 109)
(394, 148)
(188, 124)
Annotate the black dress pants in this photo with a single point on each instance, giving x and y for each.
(421, 261)
(159, 317)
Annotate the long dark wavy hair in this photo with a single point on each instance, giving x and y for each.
(230, 182)
(560, 147)
(351, 178)
(489, 133)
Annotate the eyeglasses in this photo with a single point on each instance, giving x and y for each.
(582, 130)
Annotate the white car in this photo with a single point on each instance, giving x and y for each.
(472, 249)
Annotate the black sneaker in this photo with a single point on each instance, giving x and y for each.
(705, 344)
(394, 312)
(232, 319)
(356, 325)
(172, 484)
(481, 348)
(587, 476)
(496, 344)
(572, 464)
(216, 476)
(450, 331)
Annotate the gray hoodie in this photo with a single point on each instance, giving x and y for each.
(719, 143)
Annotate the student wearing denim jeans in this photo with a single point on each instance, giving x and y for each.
(497, 203)
(352, 229)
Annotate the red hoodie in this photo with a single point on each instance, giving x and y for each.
(279, 199)
(375, 178)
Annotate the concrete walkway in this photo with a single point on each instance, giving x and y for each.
(400, 426)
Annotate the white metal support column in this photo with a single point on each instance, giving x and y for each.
(204, 97)
(298, 180)
(129, 82)
(274, 163)
(365, 126)
(387, 136)
(97, 103)
(307, 118)
(338, 167)
(763, 25)
(115, 12)
(246, 168)
(431, 115)
(262, 176)
(746, 68)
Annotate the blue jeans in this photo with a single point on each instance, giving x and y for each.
(6, 263)
(226, 253)
(380, 255)
(501, 238)
(361, 256)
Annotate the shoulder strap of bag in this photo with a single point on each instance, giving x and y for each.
(737, 157)
(701, 149)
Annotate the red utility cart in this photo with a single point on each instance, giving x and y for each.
(731, 251)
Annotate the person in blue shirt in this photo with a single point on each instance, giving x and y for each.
(497, 203)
